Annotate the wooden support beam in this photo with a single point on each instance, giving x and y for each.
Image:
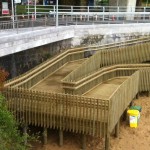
(45, 136)
(25, 127)
(131, 103)
(60, 137)
(117, 129)
(107, 141)
(125, 115)
(83, 142)
(137, 96)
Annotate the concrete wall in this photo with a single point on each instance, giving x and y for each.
(21, 62)
(104, 34)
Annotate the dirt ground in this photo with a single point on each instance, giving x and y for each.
(135, 138)
(129, 138)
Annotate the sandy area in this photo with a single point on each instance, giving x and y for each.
(135, 138)
(129, 138)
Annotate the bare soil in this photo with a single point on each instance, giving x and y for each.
(129, 138)
(135, 138)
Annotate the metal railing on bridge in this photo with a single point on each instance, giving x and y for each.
(65, 8)
(42, 16)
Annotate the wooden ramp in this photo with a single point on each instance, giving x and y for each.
(53, 82)
(106, 89)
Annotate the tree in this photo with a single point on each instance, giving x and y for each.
(10, 138)
(3, 75)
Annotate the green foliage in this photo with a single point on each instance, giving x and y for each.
(21, 9)
(10, 138)
(102, 2)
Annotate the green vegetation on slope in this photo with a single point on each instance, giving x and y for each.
(10, 138)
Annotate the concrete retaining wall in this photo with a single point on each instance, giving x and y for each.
(104, 34)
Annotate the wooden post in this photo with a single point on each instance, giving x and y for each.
(117, 129)
(45, 136)
(83, 142)
(25, 133)
(131, 104)
(60, 137)
(137, 96)
(107, 141)
(125, 116)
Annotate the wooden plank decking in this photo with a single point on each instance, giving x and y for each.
(53, 82)
(105, 89)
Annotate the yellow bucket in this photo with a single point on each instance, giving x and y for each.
(133, 118)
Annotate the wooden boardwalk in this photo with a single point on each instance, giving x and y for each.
(89, 98)
(105, 89)
(53, 82)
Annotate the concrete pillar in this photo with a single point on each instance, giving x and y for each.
(129, 6)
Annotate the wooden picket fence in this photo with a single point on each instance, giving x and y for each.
(52, 110)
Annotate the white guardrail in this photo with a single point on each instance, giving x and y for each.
(42, 16)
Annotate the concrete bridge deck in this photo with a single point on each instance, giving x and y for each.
(13, 41)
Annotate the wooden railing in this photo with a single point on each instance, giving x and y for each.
(75, 113)
(40, 72)
(47, 68)
(138, 53)
(102, 75)
(52, 110)
(122, 97)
